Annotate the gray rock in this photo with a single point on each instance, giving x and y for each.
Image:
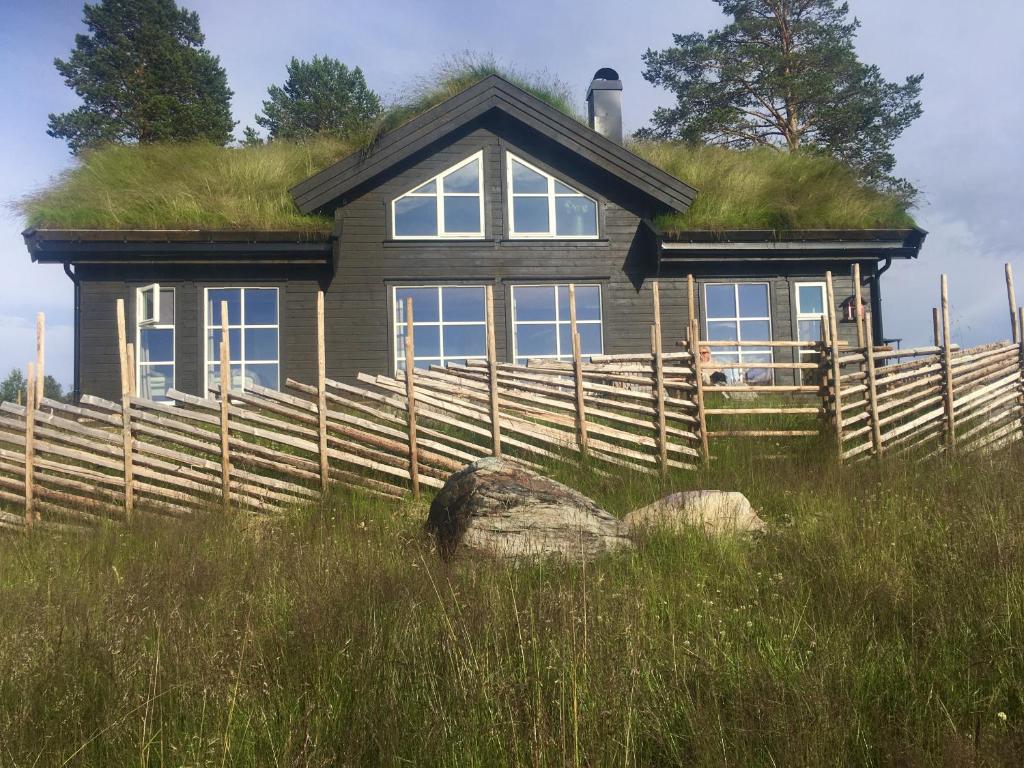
(716, 512)
(505, 509)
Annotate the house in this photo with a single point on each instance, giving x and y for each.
(491, 187)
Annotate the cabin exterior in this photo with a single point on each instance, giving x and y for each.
(493, 187)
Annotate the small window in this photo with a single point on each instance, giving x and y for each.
(542, 328)
(810, 309)
(449, 324)
(542, 206)
(154, 342)
(739, 312)
(253, 336)
(450, 205)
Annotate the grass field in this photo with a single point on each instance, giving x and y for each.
(879, 622)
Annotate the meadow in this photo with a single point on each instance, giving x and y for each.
(880, 621)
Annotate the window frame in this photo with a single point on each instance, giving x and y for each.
(154, 324)
(552, 197)
(440, 323)
(738, 320)
(241, 327)
(557, 321)
(800, 315)
(439, 195)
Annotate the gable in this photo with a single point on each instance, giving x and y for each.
(491, 95)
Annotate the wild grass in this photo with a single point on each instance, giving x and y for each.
(766, 188)
(879, 622)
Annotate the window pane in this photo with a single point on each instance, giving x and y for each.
(811, 299)
(430, 188)
(146, 309)
(810, 330)
(155, 381)
(261, 306)
(235, 381)
(424, 304)
(166, 306)
(753, 300)
(416, 216)
(590, 339)
(156, 345)
(721, 300)
(721, 331)
(575, 217)
(234, 342)
(465, 340)
(426, 340)
(564, 189)
(536, 302)
(535, 340)
(527, 180)
(261, 344)
(465, 179)
(755, 330)
(588, 302)
(233, 296)
(262, 374)
(531, 214)
(461, 214)
(565, 340)
(463, 304)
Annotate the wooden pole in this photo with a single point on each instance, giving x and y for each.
(947, 366)
(321, 392)
(492, 375)
(837, 397)
(30, 447)
(857, 298)
(577, 368)
(133, 385)
(126, 419)
(691, 298)
(936, 327)
(659, 379)
(693, 336)
(876, 427)
(1012, 298)
(410, 394)
(40, 357)
(225, 408)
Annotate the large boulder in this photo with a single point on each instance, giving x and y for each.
(505, 509)
(716, 512)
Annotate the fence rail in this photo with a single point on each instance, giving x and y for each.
(262, 450)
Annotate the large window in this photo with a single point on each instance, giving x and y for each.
(542, 206)
(154, 342)
(739, 312)
(253, 336)
(449, 324)
(542, 326)
(450, 205)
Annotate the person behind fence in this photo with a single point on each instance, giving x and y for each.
(709, 373)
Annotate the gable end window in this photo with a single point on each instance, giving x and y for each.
(542, 206)
(450, 205)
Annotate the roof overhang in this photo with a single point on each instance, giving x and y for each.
(491, 93)
(95, 246)
(789, 245)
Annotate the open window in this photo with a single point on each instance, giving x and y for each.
(155, 341)
(542, 206)
(449, 205)
(147, 304)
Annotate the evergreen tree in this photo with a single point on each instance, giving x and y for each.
(784, 73)
(319, 96)
(144, 76)
(12, 389)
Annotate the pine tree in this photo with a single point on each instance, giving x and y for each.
(144, 76)
(785, 73)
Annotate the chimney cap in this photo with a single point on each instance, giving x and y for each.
(605, 79)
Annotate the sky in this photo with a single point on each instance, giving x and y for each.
(964, 153)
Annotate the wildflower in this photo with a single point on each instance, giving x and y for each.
(1001, 716)
(750, 624)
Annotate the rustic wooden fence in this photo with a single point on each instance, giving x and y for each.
(262, 450)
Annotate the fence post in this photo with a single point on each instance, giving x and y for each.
(936, 327)
(837, 396)
(947, 366)
(1012, 297)
(691, 298)
(133, 385)
(40, 358)
(225, 408)
(577, 371)
(492, 375)
(693, 339)
(856, 311)
(30, 447)
(410, 396)
(659, 379)
(876, 427)
(126, 418)
(321, 392)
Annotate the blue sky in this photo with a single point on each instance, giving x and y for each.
(965, 153)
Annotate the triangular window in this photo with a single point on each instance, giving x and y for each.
(542, 206)
(450, 205)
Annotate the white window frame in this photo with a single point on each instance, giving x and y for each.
(439, 194)
(558, 321)
(802, 316)
(241, 327)
(154, 324)
(742, 351)
(440, 323)
(551, 195)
